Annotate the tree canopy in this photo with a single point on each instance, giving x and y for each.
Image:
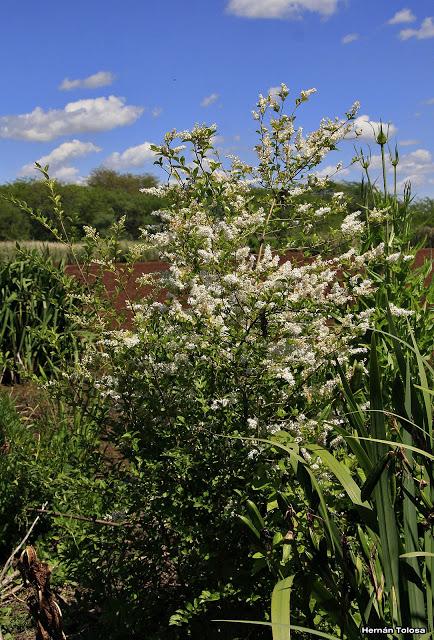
(106, 197)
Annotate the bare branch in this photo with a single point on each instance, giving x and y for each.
(22, 543)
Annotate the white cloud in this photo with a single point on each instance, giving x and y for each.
(97, 114)
(351, 37)
(209, 100)
(368, 129)
(280, 8)
(100, 79)
(430, 101)
(426, 31)
(416, 167)
(216, 140)
(59, 158)
(408, 143)
(67, 174)
(415, 179)
(330, 172)
(402, 16)
(156, 112)
(131, 157)
(414, 159)
(65, 152)
(63, 174)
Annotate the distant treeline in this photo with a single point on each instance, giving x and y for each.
(108, 195)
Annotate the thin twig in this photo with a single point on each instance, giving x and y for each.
(22, 543)
(19, 599)
(9, 579)
(94, 520)
(11, 593)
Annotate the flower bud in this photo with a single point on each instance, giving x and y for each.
(382, 137)
(394, 160)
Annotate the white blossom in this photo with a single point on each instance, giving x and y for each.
(351, 224)
(252, 423)
(399, 312)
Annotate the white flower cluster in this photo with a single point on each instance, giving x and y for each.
(378, 215)
(393, 258)
(352, 225)
(159, 191)
(243, 333)
(399, 312)
(322, 211)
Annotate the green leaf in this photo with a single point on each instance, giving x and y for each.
(373, 478)
(417, 554)
(251, 526)
(359, 451)
(386, 515)
(255, 514)
(391, 335)
(430, 391)
(416, 599)
(280, 609)
(341, 472)
(424, 385)
(400, 445)
(293, 627)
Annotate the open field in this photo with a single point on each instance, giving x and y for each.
(57, 250)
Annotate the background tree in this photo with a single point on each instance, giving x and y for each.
(105, 198)
(112, 180)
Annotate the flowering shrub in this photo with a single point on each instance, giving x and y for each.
(245, 341)
(244, 346)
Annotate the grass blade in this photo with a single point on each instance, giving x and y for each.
(280, 609)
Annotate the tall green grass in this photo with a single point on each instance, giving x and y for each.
(38, 332)
(372, 566)
(366, 557)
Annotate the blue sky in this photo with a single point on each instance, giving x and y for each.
(92, 83)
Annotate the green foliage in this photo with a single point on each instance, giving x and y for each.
(108, 195)
(365, 556)
(182, 388)
(423, 220)
(110, 180)
(38, 333)
(264, 431)
(183, 544)
(352, 553)
(12, 622)
(104, 200)
(53, 459)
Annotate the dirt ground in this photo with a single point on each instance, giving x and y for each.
(133, 292)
